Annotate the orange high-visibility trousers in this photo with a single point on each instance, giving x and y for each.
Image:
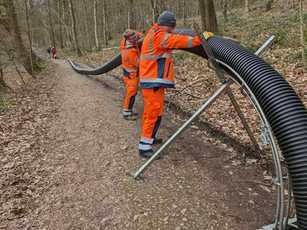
(153, 110)
(131, 88)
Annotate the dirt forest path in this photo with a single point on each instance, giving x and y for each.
(196, 185)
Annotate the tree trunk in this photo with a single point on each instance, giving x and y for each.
(2, 82)
(184, 12)
(246, 6)
(225, 10)
(61, 21)
(131, 15)
(154, 10)
(22, 54)
(74, 29)
(51, 25)
(88, 38)
(95, 26)
(268, 5)
(284, 5)
(68, 29)
(301, 3)
(105, 23)
(29, 35)
(208, 15)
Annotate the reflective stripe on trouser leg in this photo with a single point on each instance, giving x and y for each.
(145, 140)
(127, 112)
(153, 109)
(144, 147)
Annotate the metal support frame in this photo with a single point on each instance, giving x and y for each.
(221, 76)
(281, 221)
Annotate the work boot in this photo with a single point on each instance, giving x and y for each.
(146, 153)
(131, 117)
(157, 141)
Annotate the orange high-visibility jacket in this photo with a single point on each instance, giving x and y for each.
(156, 62)
(130, 57)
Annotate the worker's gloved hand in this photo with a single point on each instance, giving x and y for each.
(156, 89)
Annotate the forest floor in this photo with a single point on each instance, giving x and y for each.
(65, 152)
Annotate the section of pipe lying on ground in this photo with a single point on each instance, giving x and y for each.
(115, 62)
(283, 109)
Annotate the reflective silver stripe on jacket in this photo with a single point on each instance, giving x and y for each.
(164, 41)
(150, 41)
(130, 70)
(129, 44)
(190, 42)
(156, 80)
(155, 57)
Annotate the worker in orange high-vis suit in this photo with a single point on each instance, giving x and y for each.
(157, 73)
(130, 53)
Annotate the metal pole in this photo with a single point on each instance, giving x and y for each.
(182, 128)
(243, 119)
(235, 104)
(265, 45)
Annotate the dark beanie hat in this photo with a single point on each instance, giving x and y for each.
(167, 18)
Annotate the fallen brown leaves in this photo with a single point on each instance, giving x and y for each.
(23, 134)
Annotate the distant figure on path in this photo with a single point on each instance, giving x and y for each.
(53, 52)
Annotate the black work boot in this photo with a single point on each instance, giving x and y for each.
(146, 153)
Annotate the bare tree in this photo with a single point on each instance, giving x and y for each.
(29, 34)
(301, 3)
(21, 52)
(154, 10)
(74, 29)
(208, 15)
(131, 15)
(268, 5)
(184, 12)
(52, 34)
(87, 41)
(225, 9)
(105, 23)
(246, 6)
(69, 42)
(61, 22)
(95, 25)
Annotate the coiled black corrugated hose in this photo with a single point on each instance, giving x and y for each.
(283, 109)
(281, 105)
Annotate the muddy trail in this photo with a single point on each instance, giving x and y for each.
(73, 173)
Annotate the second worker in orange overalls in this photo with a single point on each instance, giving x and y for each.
(130, 52)
(157, 73)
